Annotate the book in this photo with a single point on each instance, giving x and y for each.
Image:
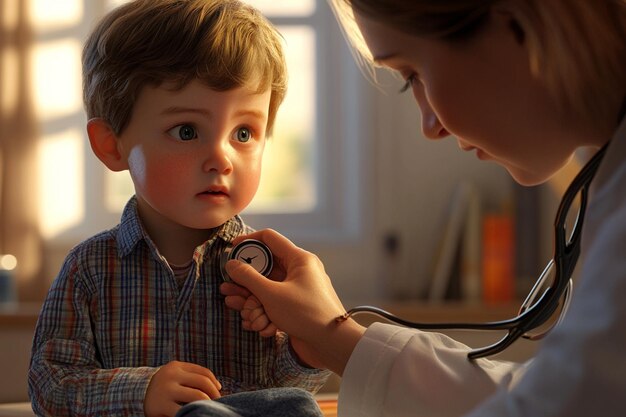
(470, 268)
(450, 243)
(528, 262)
(498, 257)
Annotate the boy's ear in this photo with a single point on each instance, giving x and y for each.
(104, 144)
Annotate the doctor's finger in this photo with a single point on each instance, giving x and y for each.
(235, 302)
(230, 288)
(269, 331)
(279, 245)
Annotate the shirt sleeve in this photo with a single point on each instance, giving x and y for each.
(290, 372)
(65, 376)
(395, 371)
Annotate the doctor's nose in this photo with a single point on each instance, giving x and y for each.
(432, 128)
(431, 125)
(217, 159)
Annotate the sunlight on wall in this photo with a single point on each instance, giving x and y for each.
(57, 78)
(61, 180)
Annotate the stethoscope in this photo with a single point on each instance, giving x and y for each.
(250, 251)
(541, 302)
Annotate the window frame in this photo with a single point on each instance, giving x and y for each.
(340, 150)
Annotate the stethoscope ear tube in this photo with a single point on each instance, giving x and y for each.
(540, 305)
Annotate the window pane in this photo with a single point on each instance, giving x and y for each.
(269, 8)
(284, 7)
(48, 14)
(118, 188)
(61, 180)
(57, 78)
(288, 180)
(111, 4)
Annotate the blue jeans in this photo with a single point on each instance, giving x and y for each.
(272, 402)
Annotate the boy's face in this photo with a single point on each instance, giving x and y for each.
(195, 154)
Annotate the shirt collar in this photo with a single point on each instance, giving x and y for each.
(131, 231)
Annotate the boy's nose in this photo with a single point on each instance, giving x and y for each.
(217, 160)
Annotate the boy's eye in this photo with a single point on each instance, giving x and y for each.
(243, 134)
(183, 132)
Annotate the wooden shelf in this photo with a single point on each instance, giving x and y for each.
(19, 316)
(443, 312)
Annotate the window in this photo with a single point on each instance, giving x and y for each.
(310, 187)
(56, 82)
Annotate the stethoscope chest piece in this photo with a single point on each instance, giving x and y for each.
(250, 251)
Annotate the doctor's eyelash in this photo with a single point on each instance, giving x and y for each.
(407, 85)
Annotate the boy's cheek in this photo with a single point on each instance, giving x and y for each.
(158, 174)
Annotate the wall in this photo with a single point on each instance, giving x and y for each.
(16, 333)
(408, 183)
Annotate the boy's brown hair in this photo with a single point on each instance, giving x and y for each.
(224, 43)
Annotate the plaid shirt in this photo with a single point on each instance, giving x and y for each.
(115, 314)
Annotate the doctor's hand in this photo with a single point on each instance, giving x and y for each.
(176, 384)
(300, 300)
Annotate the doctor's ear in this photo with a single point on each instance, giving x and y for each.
(105, 144)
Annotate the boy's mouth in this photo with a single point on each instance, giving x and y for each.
(215, 191)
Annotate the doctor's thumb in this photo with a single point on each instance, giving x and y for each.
(245, 275)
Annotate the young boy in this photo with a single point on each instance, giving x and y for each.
(182, 94)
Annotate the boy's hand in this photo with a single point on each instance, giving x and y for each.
(251, 310)
(176, 384)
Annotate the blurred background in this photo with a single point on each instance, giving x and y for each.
(347, 173)
(395, 217)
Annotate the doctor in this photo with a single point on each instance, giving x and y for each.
(524, 83)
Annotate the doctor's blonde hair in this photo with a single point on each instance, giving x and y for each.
(577, 48)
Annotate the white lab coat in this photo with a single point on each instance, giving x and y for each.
(579, 371)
